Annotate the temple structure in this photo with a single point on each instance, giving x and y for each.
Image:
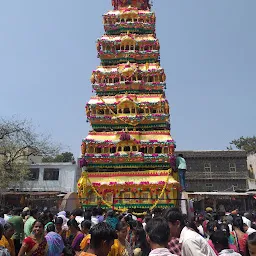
(128, 155)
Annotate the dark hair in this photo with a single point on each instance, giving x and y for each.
(16, 211)
(94, 211)
(211, 225)
(78, 212)
(121, 224)
(225, 228)
(50, 228)
(33, 212)
(238, 223)
(147, 218)
(38, 220)
(73, 223)
(174, 214)
(158, 230)
(101, 232)
(181, 155)
(110, 213)
(8, 225)
(87, 215)
(86, 224)
(252, 239)
(219, 237)
(100, 211)
(59, 220)
(141, 239)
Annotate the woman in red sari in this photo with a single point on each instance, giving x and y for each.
(35, 244)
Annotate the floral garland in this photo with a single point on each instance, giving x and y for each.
(133, 123)
(124, 210)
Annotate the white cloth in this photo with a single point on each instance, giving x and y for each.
(247, 222)
(201, 230)
(194, 244)
(250, 231)
(65, 221)
(229, 252)
(161, 252)
(79, 220)
(94, 220)
(7, 217)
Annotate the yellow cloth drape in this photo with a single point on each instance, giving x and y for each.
(9, 244)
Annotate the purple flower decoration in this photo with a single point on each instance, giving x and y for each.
(82, 162)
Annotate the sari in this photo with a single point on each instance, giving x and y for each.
(77, 241)
(8, 244)
(118, 249)
(35, 248)
(55, 244)
(85, 242)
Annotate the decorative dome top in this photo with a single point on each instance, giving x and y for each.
(140, 4)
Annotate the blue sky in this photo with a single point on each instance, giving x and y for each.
(47, 54)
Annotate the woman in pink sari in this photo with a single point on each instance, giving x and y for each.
(35, 244)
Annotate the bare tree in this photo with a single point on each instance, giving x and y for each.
(19, 141)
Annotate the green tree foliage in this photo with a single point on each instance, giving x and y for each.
(245, 143)
(18, 142)
(61, 158)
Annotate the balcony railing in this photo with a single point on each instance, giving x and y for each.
(216, 175)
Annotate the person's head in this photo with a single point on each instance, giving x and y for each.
(87, 215)
(77, 212)
(73, 226)
(225, 228)
(251, 244)
(219, 240)
(147, 218)
(58, 223)
(38, 228)
(158, 232)
(121, 230)
(238, 223)
(110, 213)
(94, 211)
(8, 230)
(34, 213)
(16, 211)
(85, 226)
(180, 155)
(211, 227)
(248, 215)
(175, 220)
(102, 238)
(50, 227)
(100, 211)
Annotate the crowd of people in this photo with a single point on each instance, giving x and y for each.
(108, 233)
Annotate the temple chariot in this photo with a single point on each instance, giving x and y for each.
(127, 157)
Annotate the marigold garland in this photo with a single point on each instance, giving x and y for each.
(124, 210)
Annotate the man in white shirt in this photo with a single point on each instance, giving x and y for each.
(191, 242)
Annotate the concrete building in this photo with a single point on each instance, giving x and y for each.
(46, 185)
(46, 177)
(218, 179)
(212, 171)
